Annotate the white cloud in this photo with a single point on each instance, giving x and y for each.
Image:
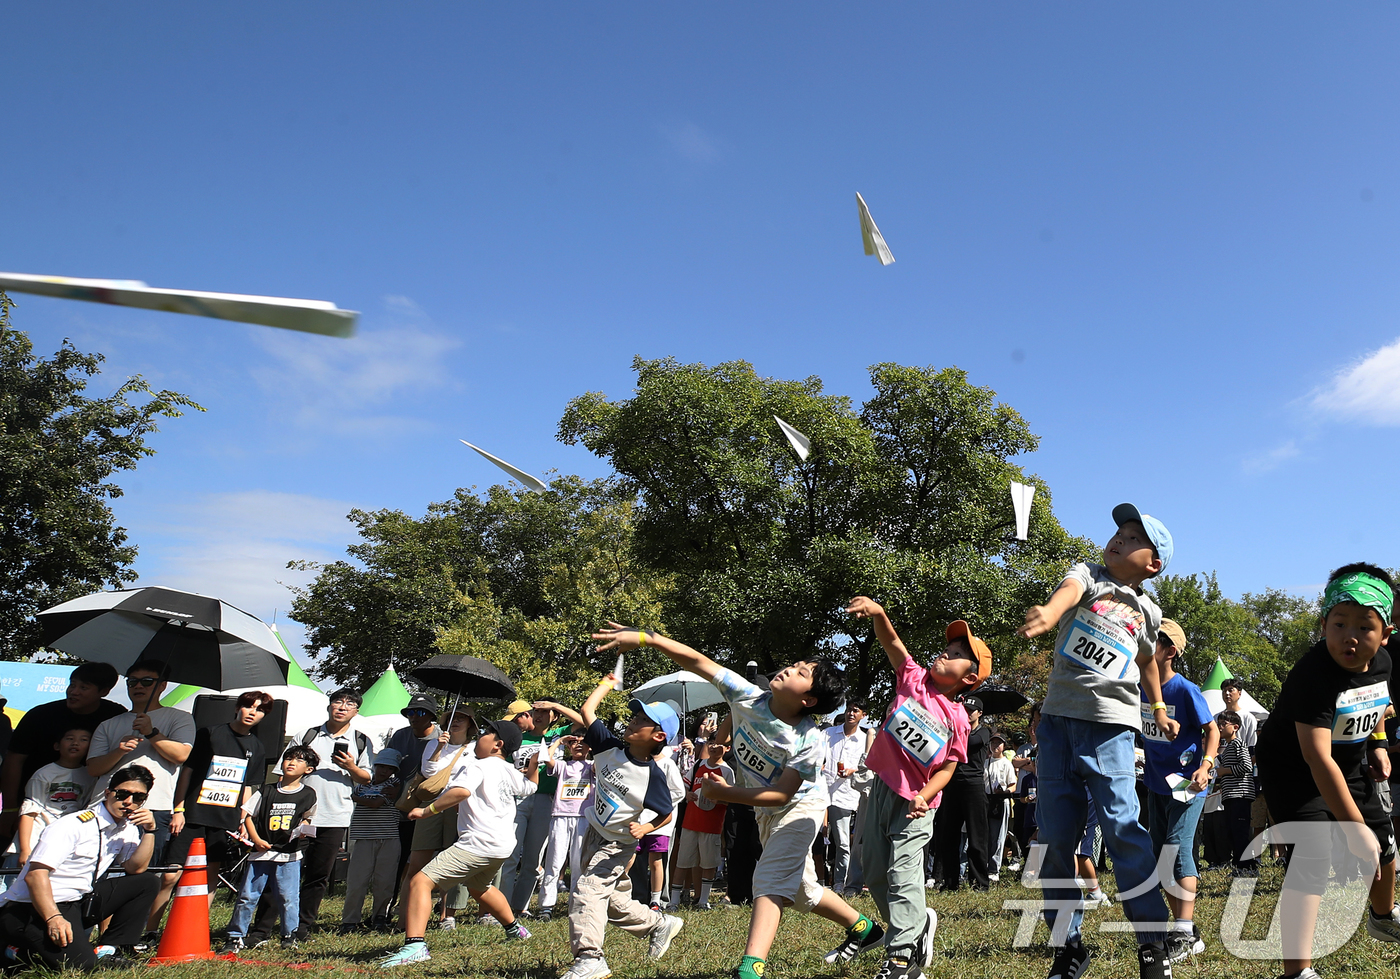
(341, 385)
(235, 546)
(1272, 459)
(692, 143)
(1368, 390)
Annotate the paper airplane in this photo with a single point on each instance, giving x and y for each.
(307, 315)
(1021, 496)
(870, 235)
(617, 673)
(530, 482)
(801, 444)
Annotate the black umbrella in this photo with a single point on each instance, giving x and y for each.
(1000, 700)
(469, 677)
(201, 640)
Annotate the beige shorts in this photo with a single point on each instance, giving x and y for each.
(697, 849)
(435, 832)
(786, 870)
(456, 865)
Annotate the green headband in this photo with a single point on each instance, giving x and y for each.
(1363, 589)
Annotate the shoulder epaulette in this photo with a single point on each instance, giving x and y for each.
(86, 816)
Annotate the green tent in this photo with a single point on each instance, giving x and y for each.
(386, 696)
(1218, 675)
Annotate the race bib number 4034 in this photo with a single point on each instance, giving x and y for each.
(1359, 713)
(1095, 643)
(224, 783)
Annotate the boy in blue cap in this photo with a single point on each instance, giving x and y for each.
(630, 800)
(1107, 636)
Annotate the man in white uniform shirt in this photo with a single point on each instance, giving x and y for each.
(346, 759)
(158, 739)
(47, 915)
(845, 757)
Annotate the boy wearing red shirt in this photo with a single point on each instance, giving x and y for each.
(697, 856)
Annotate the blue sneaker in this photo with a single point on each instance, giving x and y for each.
(409, 954)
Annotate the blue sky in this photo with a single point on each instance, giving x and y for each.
(1166, 235)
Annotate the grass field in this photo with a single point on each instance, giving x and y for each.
(974, 941)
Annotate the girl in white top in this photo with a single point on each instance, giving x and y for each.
(569, 761)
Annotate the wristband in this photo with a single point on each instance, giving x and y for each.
(1209, 758)
(52, 916)
(641, 638)
(432, 808)
(1158, 706)
(1379, 735)
(180, 809)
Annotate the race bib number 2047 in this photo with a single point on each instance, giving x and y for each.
(1095, 643)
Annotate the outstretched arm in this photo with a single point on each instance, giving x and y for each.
(780, 793)
(1042, 618)
(866, 608)
(621, 638)
(572, 715)
(588, 713)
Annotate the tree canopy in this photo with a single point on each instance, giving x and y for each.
(906, 500)
(58, 451)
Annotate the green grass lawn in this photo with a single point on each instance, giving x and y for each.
(974, 940)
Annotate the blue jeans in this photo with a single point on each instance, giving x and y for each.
(1075, 755)
(1171, 821)
(287, 882)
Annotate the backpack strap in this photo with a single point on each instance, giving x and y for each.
(310, 734)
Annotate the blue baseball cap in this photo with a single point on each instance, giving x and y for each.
(661, 714)
(1157, 532)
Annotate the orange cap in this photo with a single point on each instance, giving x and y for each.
(959, 629)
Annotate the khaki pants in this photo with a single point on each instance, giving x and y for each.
(786, 869)
(603, 895)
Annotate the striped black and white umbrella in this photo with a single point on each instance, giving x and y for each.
(202, 640)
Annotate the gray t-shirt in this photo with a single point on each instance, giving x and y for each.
(331, 782)
(1095, 676)
(177, 725)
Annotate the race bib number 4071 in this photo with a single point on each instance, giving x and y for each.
(1359, 712)
(1095, 643)
(224, 783)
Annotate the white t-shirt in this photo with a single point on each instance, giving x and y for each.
(449, 751)
(54, 791)
(175, 724)
(486, 818)
(331, 782)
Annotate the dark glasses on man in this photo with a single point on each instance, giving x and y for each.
(418, 713)
(142, 681)
(124, 794)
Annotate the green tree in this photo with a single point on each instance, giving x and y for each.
(515, 577)
(58, 451)
(906, 501)
(1216, 626)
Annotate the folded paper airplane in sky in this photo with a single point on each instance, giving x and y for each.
(870, 235)
(306, 315)
(801, 444)
(1021, 496)
(530, 482)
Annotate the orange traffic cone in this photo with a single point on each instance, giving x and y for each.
(186, 936)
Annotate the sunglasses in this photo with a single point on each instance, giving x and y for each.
(142, 681)
(124, 794)
(418, 713)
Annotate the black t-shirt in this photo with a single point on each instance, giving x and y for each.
(979, 742)
(41, 727)
(1319, 693)
(279, 813)
(221, 762)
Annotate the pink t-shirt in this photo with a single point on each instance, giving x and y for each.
(922, 730)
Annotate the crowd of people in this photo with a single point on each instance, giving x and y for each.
(549, 802)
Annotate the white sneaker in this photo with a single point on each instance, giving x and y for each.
(447, 924)
(1099, 900)
(1385, 929)
(588, 969)
(930, 883)
(662, 934)
(994, 878)
(926, 939)
(409, 954)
